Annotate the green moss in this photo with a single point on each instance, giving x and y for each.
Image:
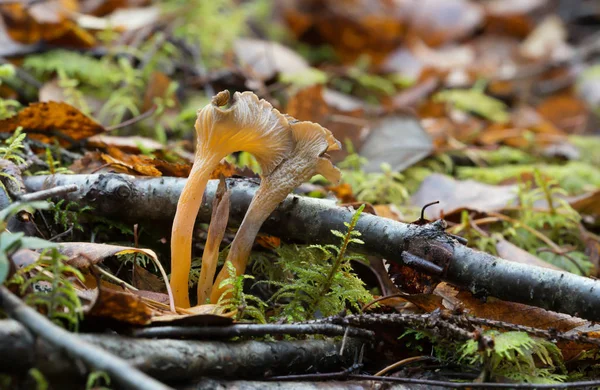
(574, 177)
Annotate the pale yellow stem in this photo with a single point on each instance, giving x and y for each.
(264, 202)
(210, 257)
(183, 226)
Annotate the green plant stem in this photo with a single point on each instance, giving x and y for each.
(334, 269)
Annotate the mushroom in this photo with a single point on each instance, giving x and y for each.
(216, 231)
(250, 125)
(309, 157)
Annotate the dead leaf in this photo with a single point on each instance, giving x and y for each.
(50, 121)
(343, 192)
(566, 111)
(147, 281)
(130, 144)
(389, 211)
(266, 59)
(85, 254)
(345, 123)
(455, 195)
(121, 306)
(115, 160)
(105, 7)
(158, 87)
(511, 252)
(547, 40)
(121, 19)
(398, 140)
(438, 22)
(48, 21)
(351, 27)
(511, 17)
(269, 242)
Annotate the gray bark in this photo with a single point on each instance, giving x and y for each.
(180, 360)
(302, 219)
(211, 384)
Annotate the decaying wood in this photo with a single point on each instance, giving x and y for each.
(303, 219)
(76, 347)
(181, 360)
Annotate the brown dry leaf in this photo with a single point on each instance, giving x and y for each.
(115, 303)
(455, 195)
(343, 192)
(345, 123)
(389, 211)
(587, 204)
(158, 86)
(48, 21)
(447, 297)
(85, 254)
(511, 17)
(224, 168)
(523, 119)
(266, 59)
(115, 160)
(105, 7)
(147, 281)
(495, 309)
(438, 22)
(130, 144)
(269, 242)
(566, 111)
(351, 27)
(139, 165)
(51, 121)
(510, 251)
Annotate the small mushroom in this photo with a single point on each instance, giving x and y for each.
(250, 125)
(309, 157)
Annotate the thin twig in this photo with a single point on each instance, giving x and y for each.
(133, 120)
(476, 385)
(544, 333)
(49, 193)
(118, 369)
(403, 362)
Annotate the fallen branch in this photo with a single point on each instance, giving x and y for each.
(182, 360)
(251, 330)
(303, 219)
(117, 368)
(211, 384)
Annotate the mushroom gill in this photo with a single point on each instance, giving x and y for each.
(308, 158)
(250, 125)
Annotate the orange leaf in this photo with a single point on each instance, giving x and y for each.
(52, 120)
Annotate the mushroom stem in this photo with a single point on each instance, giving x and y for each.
(183, 225)
(216, 231)
(265, 200)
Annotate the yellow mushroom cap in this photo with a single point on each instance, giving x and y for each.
(249, 124)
